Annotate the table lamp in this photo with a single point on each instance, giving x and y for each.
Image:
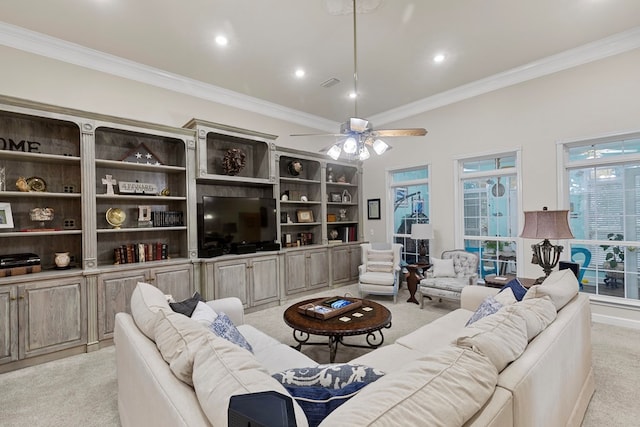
(420, 233)
(546, 224)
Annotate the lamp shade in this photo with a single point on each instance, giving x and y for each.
(421, 231)
(546, 224)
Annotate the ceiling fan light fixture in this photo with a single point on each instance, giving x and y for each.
(334, 152)
(350, 145)
(364, 153)
(379, 146)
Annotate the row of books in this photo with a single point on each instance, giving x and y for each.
(348, 234)
(140, 252)
(167, 218)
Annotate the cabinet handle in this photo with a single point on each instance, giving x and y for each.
(150, 279)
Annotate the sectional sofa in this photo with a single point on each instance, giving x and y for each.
(527, 364)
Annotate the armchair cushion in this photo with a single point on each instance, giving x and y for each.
(377, 278)
(443, 267)
(380, 261)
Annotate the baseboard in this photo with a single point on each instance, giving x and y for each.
(615, 321)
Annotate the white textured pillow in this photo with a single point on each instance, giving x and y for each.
(221, 369)
(174, 332)
(444, 388)
(204, 314)
(380, 261)
(502, 337)
(443, 267)
(506, 297)
(561, 286)
(537, 313)
(146, 300)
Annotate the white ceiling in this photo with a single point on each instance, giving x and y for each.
(486, 42)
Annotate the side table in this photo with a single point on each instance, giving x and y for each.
(414, 278)
(495, 281)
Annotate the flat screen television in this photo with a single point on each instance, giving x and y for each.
(236, 225)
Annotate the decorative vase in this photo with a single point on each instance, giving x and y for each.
(62, 259)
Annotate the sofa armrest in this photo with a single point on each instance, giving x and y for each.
(472, 296)
(231, 306)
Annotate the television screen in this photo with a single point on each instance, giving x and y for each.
(225, 221)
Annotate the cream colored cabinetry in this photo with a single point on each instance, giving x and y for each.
(44, 316)
(345, 260)
(306, 269)
(254, 279)
(115, 289)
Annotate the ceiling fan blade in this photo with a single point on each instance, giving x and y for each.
(399, 132)
(317, 134)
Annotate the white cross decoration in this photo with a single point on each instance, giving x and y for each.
(109, 182)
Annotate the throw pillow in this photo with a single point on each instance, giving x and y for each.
(516, 287)
(488, 306)
(538, 313)
(223, 327)
(320, 390)
(204, 314)
(187, 306)
(506, 297)
(443, 267)
(561, 286)
(146, 300)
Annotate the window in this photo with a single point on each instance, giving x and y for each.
(409, 192)
(603, 189)
(489, 215)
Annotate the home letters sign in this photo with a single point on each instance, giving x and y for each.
(9, 144)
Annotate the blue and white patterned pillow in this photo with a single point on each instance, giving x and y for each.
(223, 327)
(321, 389)
(488, 306)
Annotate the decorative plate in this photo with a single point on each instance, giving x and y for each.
(36, 184)
(115, 217)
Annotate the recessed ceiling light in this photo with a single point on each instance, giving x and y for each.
(438, 58)
(300, 73)
(353, 95)
(221, 40)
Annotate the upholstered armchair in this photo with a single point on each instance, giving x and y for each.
(379, 273)
(448, 275)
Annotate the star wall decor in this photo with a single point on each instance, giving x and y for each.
(142, 155)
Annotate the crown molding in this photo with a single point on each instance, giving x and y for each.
(51, 47)
(40, 44)
(600, 49)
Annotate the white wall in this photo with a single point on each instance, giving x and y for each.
(594, 99)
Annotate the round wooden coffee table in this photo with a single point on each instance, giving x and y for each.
(373, 318)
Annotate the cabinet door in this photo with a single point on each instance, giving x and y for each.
(296, 272)
(114, 295)
(52, 316)
(230, 279)
(318, 268)
(8, 325)
(264, 278)
(341, 264)
(356, 260)
(176, 280)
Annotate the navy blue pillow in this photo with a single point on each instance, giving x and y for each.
(321, 389)
(516, 287)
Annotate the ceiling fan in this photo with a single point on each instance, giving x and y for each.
(357, 134)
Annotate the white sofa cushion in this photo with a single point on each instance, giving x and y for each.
(440, 333)
(561, 286)
(377, 278)
(502, 337)
(221, 369)
(146, 300)
(174, 332)
(445, 388)
(537, 313)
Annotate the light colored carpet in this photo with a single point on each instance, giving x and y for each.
(81, 390)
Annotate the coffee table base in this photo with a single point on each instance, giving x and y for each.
(374, 340)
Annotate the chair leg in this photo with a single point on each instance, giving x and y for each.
(395, 298)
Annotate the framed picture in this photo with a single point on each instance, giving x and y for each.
(373, 209)
(6, 218)
(304, 215)
(335, 197)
